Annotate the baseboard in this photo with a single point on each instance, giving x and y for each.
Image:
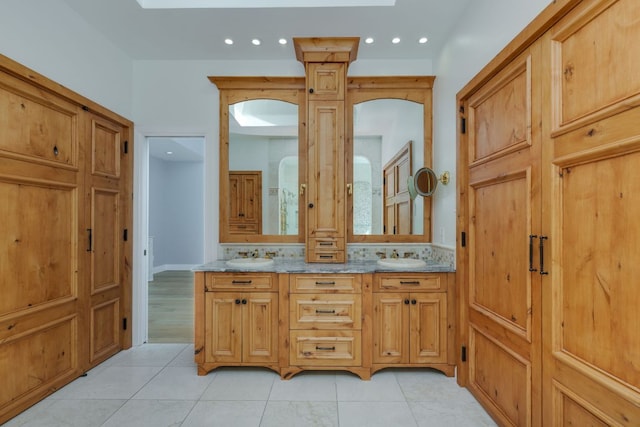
(173, 267)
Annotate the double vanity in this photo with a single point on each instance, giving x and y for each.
(291, 316)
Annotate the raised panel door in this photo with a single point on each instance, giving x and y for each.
(259, 327)
(223, 327)
(428, 328)
(504, 300)
(390, 328)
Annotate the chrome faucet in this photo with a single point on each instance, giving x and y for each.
(394, 254)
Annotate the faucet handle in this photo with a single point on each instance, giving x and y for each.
(270, 254)
(381, 254)
(408, 254)
(243, 254)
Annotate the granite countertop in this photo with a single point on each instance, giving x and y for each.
(299, 266)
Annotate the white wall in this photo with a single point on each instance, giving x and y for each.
(51, 38)
(486, 27)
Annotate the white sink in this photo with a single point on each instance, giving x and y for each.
(401, 263)
(250, 262)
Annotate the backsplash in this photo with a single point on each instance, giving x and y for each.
(355, 252)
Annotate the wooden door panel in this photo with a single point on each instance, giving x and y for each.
(105, 145)
(260, 327)
(500, 378)
(106, 229)
(45, 356)
(500, 252)
(35, 126)
(326, 158)
(596, 301)
(500, 113)
(428, 328)
(326, 80)
(390, 323)
(592, 86)
(105, 329)
(223, 330)
(38, 257)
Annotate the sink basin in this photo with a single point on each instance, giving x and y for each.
(250, 262)
(401, 263)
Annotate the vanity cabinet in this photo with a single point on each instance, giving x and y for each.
(412, 321)
(326, 61)
(239, 326)
(325, 321)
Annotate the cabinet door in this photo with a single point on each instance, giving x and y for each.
(106, 218)
(326, 185)
(428, 328)
(326, 80)
(259, 327)
(223, 327)
(504, 209)
(592, 367)
(390, 321)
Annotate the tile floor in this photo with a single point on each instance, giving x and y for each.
(156, 385)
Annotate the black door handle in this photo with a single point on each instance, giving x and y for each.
(542, 239)
(531, 237)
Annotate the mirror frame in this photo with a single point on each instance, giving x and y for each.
(411, 88)
(236, 89)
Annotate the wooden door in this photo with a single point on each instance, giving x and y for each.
(428, 327)
(40, 208)
(390, 328)
(107, 148)
(503, 340)
(245, 202)
(260, 327)
(591, 328)
(223, 329)
(398, 205)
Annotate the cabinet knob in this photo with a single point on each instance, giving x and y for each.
(414, 302)
(237, 301)
(310, 205)
(406, 301)
(244, 301)
(310, 90)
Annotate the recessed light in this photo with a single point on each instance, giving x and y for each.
(169, 152)
(395, 40)
(228, 41)
(368, 40)
(282, 41)
(255, 42)
(423, 40)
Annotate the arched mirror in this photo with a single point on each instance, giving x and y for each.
(389, 141)
(259, 159)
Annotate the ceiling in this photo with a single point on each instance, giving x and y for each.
(198, 34)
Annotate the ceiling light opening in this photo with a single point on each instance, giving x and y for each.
(256, 42)
(282, 41)
(423, 40)
(395, 40)
(368, 40)
(228, 41)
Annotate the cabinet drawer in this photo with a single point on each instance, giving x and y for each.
(325, 348)
(239, 281)
(409, 282)
(330, 283)
(243, 228)
(326, 256)
(325, 311)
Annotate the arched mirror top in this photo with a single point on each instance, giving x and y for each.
(389, 123)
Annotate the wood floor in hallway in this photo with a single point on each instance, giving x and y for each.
(171, 307)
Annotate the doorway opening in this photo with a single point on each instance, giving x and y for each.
(175, 235)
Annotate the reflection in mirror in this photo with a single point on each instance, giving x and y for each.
(381, 131)
(263, 136)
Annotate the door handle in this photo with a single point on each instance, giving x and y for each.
(542, 239)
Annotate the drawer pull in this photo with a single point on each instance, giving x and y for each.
(241, 282)
(326, 243)
(325, 312)
(329, 283)
(326, 348)
(410, 282)
(326, 256)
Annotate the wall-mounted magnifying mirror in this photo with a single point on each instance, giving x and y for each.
(424, 182)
